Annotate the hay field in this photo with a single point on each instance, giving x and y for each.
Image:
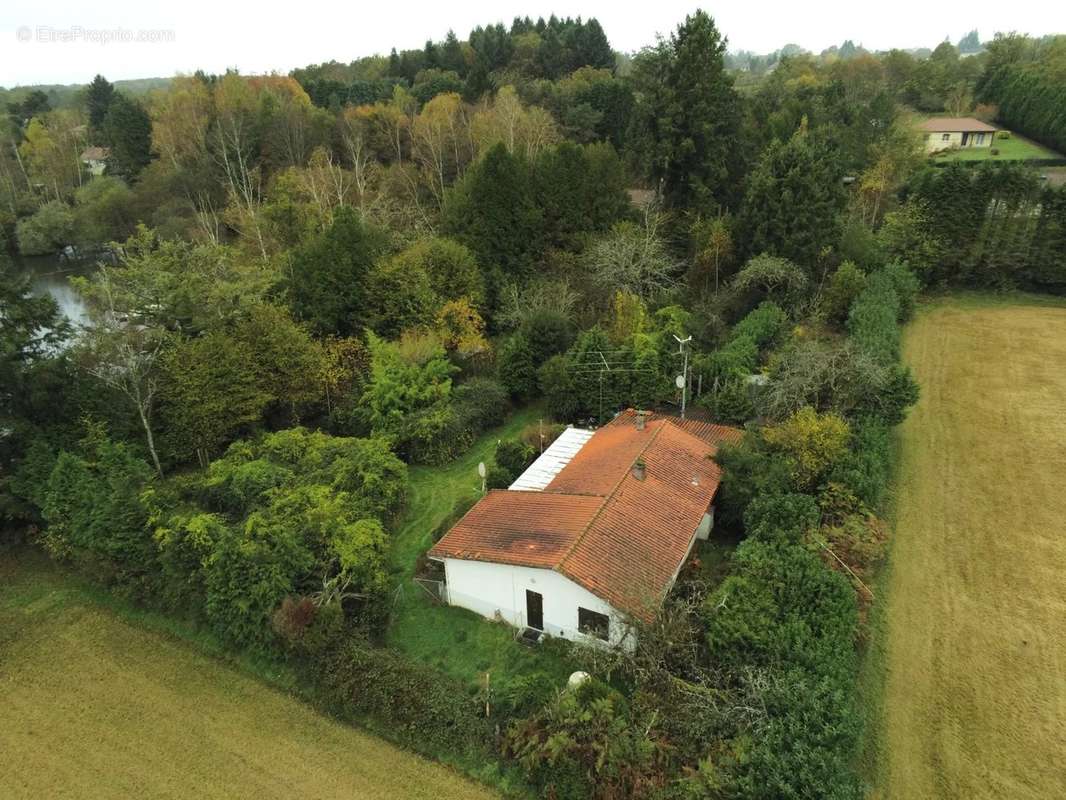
(974, 631)
(95, 705)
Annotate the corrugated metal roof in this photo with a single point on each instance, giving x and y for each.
(551, 462)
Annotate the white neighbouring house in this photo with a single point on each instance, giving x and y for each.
(95, 159)
(594, 532)
(948, 133)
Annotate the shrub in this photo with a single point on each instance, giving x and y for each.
(867, 466)
(96, 515)
(517, 370)
(764, 325)
(548, 332)
(433, 435)
(781, 607)
(47, 231)
(418, 706)
(873, 321)
(557, 385)
(248, 573)
(906, 285)
(497, 477)
(811, 442)
(846, 284)
(782, 516)
(481, 403)
(514, 455)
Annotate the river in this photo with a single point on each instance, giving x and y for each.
(51, 276)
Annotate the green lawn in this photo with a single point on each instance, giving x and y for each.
(1016, 148)
(101, 700)
(452, 639)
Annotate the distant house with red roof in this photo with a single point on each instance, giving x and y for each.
(593, 533)
(945, 133)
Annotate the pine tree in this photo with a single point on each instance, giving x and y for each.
(793, 202)
(492, 211)
(128, 132)
(98, 99)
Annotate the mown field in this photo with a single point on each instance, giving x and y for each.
(972, 641)
(96, 704)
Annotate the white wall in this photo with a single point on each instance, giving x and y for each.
(488, 588)
(934, 142)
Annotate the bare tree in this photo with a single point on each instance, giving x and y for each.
(633, 258)
(125, 356)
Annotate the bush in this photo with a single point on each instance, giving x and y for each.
(764, 326)
(517, 370)
(418, 706)
(557, 385)
(873, 321)
(906, 285)
(787, 517)
(514, 455)
(497, 477)
(867, 466)
(481, 403)
(812, 443)
(47, 231)
(846, 284)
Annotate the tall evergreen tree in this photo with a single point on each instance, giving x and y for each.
(128, 132)
(793, 202)
(328, 278)
(98, 99)
(691, 118)
(492, 211)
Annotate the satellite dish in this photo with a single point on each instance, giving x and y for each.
(481, 469)
(679, 381)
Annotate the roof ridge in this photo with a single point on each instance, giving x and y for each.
(606, 499)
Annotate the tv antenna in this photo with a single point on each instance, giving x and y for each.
(682, 379)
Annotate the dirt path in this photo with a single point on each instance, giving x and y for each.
(974, 699)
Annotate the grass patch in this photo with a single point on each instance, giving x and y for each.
(435, 491)
(455, 640)
(1016, 148)
(103, 701)
(962, 676)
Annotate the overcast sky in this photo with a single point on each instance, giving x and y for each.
(62, 41)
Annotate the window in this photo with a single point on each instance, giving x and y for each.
(593, 623)
(980, 139)
(945, 137)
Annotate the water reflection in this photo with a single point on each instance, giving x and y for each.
(51, 276)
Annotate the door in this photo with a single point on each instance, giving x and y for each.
(535, 610)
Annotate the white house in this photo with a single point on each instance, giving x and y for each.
(593, 533)
(947, 133)
(95, 159)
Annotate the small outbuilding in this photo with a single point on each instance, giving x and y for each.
(593, 533)
(953, 133)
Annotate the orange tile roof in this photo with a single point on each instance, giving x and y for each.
(622, 538)
(532, 529)
(710, 432)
